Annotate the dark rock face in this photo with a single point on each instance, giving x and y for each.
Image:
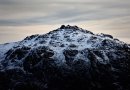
(73, 66)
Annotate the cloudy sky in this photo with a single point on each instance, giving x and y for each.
(19, 18)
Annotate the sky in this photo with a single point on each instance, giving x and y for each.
(21, 18)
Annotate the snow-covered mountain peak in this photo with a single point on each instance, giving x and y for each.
(66, 36)
(66, 58)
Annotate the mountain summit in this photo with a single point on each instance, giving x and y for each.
(66, 58)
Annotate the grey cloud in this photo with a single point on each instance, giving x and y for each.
(19, 12)
(57, 11)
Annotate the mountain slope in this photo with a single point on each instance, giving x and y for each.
(66, 58)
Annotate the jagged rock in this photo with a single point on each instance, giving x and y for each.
(107, 35)
(62, 27)
(70, 52)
